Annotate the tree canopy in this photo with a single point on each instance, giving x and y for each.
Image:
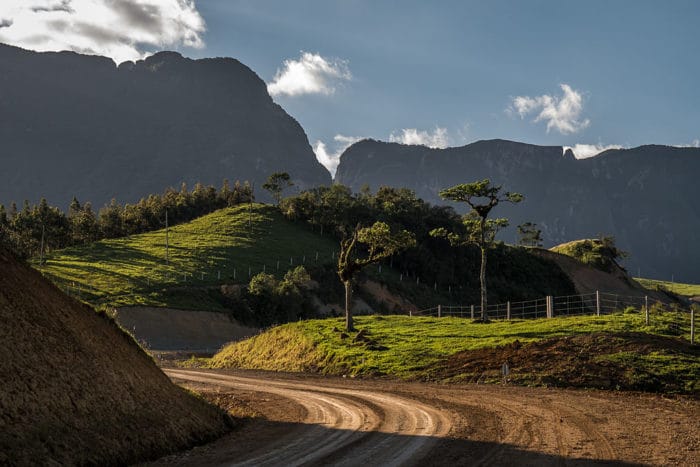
(481, 196)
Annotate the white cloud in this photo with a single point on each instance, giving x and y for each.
(562, 113)
(439, 138)
(120, 29)
(311, 74)
(584, 151)
(331, 159)
(694, 144)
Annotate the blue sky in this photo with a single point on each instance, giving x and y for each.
(595, 73)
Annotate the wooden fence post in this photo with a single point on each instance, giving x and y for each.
(597, 303)
(508, 311)
(472, 311)
(439, 311)
(550, 310)
(646, 309)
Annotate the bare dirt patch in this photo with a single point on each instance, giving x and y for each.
(77, 390)
(587, 279)
(595, 360)
(171, 329)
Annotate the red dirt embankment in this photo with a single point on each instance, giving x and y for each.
(76, 389)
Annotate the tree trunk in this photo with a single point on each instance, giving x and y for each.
(349, 326)
(482, 278)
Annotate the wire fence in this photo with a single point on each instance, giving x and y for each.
(595, 303)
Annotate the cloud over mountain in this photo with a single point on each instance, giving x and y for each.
(562, 113)
(439, 138)
(123, 30)
(310, 74)
(584, 151)
(331, 158)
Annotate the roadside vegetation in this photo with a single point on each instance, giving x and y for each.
(655, 357)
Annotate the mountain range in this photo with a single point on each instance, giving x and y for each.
(646, 197)
(78, 125)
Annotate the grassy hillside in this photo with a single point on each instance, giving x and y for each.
(411, 348)
(203, 253)
(687, 290)
(230, 245)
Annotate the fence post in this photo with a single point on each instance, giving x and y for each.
(550, 308)
(234, 274)
(439, 311)
(278, 265)
(471, 310)
(646, 309)
(597, 303)
(508, 310)
(692, 325)
(218, 275)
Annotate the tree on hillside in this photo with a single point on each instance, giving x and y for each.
(379, 242)
(481, 197)
(276, 184)
(529, 235)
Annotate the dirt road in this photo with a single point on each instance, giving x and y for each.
(311, 420)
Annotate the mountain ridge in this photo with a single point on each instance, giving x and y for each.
(79, 125)
(642, 196)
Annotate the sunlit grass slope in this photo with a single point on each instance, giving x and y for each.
(688, 290)
(405, 347)
(202, 254)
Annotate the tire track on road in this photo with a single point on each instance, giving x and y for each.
(338, 419)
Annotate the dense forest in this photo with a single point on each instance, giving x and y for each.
(41, 228)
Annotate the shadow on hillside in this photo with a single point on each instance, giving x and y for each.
(288, 443)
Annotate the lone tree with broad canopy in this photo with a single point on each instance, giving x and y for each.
(276, 184)
(481, 197)
(378, 242)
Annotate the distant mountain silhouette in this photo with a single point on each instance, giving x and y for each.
(78, 125)
(646, 197)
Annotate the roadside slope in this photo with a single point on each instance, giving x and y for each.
(654, 357)
(77, 390)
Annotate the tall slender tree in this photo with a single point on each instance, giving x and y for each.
(481, 197)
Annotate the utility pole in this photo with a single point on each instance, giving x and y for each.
(250, 209)
(167, 240)
(41, 252)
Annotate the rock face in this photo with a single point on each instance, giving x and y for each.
(77, 390)
(646, 197)
(78, 125)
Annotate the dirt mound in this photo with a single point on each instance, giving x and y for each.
(588, 279)
(169, 329)
(598, 360)
(77, 390)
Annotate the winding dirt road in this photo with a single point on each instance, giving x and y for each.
(311, 420)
